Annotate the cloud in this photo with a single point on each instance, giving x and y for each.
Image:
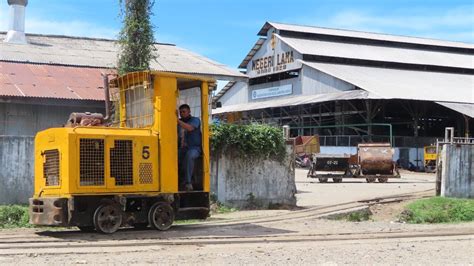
(69, 28)
(457, 17)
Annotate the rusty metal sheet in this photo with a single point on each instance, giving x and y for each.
(375, 158)
(51, 81)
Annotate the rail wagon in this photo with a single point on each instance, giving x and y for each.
(373, 161)
(98, 176)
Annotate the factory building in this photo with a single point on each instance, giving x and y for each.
(351, 87)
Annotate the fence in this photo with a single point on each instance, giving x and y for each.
(398, 141)
(455, 166)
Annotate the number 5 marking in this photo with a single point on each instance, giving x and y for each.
(146, 152)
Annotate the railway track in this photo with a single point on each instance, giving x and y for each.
(251, 231)
(104, 246)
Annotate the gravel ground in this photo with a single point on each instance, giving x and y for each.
(303, 240)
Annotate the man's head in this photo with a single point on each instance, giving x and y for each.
(184, 111)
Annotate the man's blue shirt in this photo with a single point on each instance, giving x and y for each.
(193, 138)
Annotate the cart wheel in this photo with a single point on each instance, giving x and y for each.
(86, 229)
(383, 179)
(323, 180)
(370, 179)
(337, 180)
(161, 216)
(107, 218)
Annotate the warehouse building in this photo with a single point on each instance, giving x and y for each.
(351, 87)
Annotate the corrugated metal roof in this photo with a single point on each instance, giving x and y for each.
(360, 34)
(252, 52)
(463, 108)
(102, 53)
(380, 53)
(296, 100)
(223, 91)
(49, 81)
(404, 84)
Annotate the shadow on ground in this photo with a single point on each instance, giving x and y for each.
(175, 232)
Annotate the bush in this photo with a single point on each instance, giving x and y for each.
(248, 140)
(439, 210)
(359, 216)
(14, 216)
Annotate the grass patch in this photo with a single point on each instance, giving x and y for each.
(358, 216)
(190, 221)
(355, 216)
(13, 216)
(221, 208)
(439, 210)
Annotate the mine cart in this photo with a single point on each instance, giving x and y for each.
(375, 162)
(101, 176)
(325, 166)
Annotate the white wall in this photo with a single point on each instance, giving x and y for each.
(270, 182)
(237, 94)
(317, 82)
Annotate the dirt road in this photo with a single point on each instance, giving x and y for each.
(264, 237)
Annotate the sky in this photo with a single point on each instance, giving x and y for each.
(225, 30)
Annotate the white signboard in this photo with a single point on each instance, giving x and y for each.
(272, 92)
(274, 56)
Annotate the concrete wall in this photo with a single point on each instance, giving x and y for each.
(457, 173)
(233, 179)
(16, 169)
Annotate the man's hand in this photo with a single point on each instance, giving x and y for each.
(185, 126)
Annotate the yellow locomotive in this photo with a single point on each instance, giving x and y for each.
(104, 177)
(430, 158)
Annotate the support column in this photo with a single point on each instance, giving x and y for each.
(368, 118)
(466, 126)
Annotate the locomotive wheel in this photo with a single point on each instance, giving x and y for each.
(370, 179)
(323, 180)
(383, 179)
(107, 218)
(87, 228)
(161, 216)
(337, 180)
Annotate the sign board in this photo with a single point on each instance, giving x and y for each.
(273, 57)
(272, 92)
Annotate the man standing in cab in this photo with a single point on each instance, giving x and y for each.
(189, 143)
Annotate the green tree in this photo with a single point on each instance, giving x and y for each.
(136, 37)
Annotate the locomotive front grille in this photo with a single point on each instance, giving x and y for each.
(51, 167)
(92, 162)
(146, 173)
(121, 162)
